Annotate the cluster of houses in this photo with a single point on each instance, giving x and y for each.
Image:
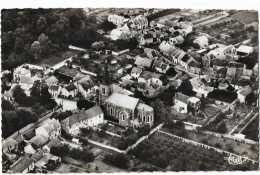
(36, 151)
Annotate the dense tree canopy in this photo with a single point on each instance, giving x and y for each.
(29, 35)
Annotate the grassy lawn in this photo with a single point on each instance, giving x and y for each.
(56, 59)
(175, 155)
(69, 168)
(222, 143)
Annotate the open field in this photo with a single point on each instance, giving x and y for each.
(221, 143)
(51, 61)
(175, 155)
(67, 168)
(246, 17)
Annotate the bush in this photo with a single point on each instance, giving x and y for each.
(119, 160)
(218, 145)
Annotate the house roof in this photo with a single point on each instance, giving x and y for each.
(86, 83)
(29, 134)
(54, 87)
(94, 111)
(27, 80)
(10, 93)
(54, 142)
(70, 87)
(245, 49)
(37, 156)
(50, 125)
(23, 163)
(21, 71)
(122, 101)
(245, 91)
(136, 70)
(185, 58)
(166, 47)
(182, 97)
(79, 76)
(38, 140)
(82, 115)
(148, 36)
(144, 62)
(51, 80)
(144, 107)
(148, 75)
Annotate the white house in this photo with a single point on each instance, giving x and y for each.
(69, 91)
(26, 83)
(20, 71)
(150, 78)
(85, 118)
(139, 22)
(50, 129)
(52, 143)
(244, 50)
(243, 93)
(86, 87)
(54, 90)
(160, 66)
(182, 101)
(202, 41)
(136, 72)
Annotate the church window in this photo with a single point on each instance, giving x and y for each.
(143, 118)
(103, 91)
(111, 111)
(148, 119)
(123, 117)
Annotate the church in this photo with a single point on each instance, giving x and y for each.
(129, 111)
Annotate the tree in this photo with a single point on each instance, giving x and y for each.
(143, 131)
(160, 113)
(171, 71)
(119, 160)
(132, 43)
(222, 128)
(107, 26)
(98, 46)
(19, 95)
(186, 88)
(7, 105)
(111, 46)
(84, 104)
(60, 150)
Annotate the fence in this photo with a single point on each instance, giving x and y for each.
(143, 138)
(248, 123)
(202, 145)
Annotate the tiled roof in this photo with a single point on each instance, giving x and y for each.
(94, 111)
(136, 70)
(122, 101)
(70, 87)
(245, 91)
(54, 87)
(144, 107)
(53, 142)
(51, 80)
(21, 165)
(181, 97)
(144, 62)
(38, 140)
(27, 80)
(147, 75)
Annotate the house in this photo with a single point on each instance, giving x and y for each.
(47, 161)
(86, 86)
(185, 61)
(21, 72)
(50, 129)
(35, 143)
(139, 22)
(244, 50)
(9, 95)
(243, 93)
(26, 83)
(69, 91)
(118, 34)
(146, 39)
(51, 80)
(9, 145)
(116, 19)
(22, 165)
(28, 135)
(54, 142)
(150, 78)
(160, 66)
(125, 109)
(202, 41)
(143, 62)
(176, 40)
(186, 104)
(85, 118)
(194, 67)
(54, 90)
(136, 72)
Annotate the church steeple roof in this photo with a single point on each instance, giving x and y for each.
(106, 79)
